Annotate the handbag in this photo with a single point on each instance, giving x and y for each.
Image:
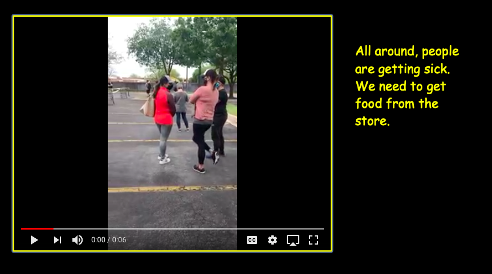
(148, 108)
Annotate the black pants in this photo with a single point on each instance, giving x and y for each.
(178, 119)
(199, 138)
(148, 92)
(217, 133)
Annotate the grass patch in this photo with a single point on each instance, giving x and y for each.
(232, 109)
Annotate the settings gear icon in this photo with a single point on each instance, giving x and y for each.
(272, 240)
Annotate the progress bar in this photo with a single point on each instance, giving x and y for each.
(173, 228)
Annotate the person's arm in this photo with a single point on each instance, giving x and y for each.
(171, 104)
(194, 97)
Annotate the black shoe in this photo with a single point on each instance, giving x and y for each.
(195, 168)
(221, 154)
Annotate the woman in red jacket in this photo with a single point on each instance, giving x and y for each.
(164, 113)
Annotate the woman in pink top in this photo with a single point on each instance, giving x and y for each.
(164, 113)
(205, 98)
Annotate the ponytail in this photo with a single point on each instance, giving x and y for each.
(164, 80)
(156, 89)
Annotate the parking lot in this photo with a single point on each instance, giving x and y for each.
(142, 194)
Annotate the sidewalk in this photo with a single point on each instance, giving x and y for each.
(232, 120)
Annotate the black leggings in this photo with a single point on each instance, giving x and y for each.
(178, 120)
(217, 133)
(199, 138)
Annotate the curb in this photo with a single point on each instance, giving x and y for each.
(232, 121)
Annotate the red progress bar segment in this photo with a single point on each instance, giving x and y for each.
(37, 228)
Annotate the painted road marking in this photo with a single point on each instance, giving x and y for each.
(232, 120)
(139, 123)
(169, 140)
(169, 188)
(129, 123)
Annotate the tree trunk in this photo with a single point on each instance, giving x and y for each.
(199, 75)
(169, 68)
(221, 69)
(231, 90)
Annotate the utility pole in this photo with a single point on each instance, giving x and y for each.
(186, 87)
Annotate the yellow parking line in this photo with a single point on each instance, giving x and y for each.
(169, 140)
(129, 123)
(169, 188)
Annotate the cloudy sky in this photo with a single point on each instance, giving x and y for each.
(119, 29)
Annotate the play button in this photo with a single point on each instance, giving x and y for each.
(33, 240)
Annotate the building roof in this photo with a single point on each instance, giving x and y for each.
(125, 80)
(116, 79)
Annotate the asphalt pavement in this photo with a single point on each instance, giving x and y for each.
(144, 194)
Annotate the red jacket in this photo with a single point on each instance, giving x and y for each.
(164, 107)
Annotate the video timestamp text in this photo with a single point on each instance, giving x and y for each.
(108, 240)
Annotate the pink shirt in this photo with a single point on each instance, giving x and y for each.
(205, 100)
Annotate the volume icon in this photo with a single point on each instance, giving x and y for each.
(77, 240)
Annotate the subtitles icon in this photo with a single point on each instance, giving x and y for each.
(252, 240)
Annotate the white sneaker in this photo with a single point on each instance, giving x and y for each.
(165, 160)
(160, 158)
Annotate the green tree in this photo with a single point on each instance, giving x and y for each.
(153, 46)
(191, 42)
(195, 75)
(211, 40)
(221, 36)
(231, 77)
(156, 74)
(221, 41)
(174, 73)
(113, 58)
(134, 75)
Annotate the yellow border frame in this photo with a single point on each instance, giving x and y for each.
(181, 15)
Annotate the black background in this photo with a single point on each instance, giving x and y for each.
(60, 145)
(286, 173)
(393, 186)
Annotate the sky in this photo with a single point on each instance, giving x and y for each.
(119, 29)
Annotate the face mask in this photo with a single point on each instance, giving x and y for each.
(217, 85)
